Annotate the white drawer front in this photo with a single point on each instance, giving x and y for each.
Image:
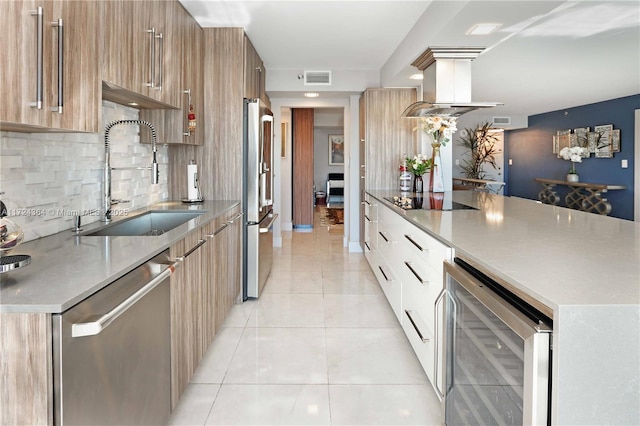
(389, 282)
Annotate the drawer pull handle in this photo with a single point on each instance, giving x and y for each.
(408, 237)
(366, 244)
(413, 271)
(384, 274)
(367, 217)
(415, 326)
(366, 202)
(384, 236)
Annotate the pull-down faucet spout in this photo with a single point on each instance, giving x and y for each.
(155, 172)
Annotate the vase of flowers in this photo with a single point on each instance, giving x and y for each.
(418, 166)
(574, 154)
(441, 130)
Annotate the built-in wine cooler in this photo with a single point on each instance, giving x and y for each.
(497, 353)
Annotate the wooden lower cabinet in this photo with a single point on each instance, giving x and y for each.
(26, 369)
(203, 290)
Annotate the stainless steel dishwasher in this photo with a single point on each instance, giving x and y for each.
(112, 352)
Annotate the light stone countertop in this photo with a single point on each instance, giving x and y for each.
(584, 267)
(556, 255)
(66, 268)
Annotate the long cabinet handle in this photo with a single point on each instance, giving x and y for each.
(219, 230)
(39, 56)
(160, 37)
(152, 57)
(366, 202)
(366, 244)
(59, 25)
(193, 249)
(413, 271)
(367, 217)
(92, 328)
(408, 237)
(384, 236)
(384, 274)
(437, 344)
(185, 118)
(236, 217)
(415, 326)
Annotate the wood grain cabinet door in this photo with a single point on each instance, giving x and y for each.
(50, 76)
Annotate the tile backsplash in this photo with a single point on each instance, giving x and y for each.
(48, 177)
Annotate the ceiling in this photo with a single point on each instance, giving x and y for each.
(546, 55)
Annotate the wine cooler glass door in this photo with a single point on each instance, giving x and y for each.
(497, 360)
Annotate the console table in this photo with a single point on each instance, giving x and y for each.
(491, 186)
(582, 196)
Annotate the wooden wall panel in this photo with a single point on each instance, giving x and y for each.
(302, 143)
(387, 135)
(221, 168)
(26, 371)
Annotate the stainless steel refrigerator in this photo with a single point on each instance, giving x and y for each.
(257, 201)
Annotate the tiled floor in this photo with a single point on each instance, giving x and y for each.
(320, 347)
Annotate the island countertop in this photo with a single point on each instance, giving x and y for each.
(67, 268)
(556, 255)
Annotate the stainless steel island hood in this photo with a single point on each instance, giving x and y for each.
(446, 83)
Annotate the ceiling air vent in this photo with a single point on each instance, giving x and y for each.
(317, 78)
(502, 121)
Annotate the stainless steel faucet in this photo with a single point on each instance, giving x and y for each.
(155, 172)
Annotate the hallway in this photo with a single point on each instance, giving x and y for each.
(320, 347)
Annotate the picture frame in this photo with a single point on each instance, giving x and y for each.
(604, 136)
(336, 150)
(283, 140)
(564, 140)
(615, 140)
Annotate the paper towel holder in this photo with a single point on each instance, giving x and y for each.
(193, 171)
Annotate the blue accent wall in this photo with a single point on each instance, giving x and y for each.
(531, 152)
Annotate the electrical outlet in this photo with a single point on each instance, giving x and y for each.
(510, 162)
(457, 162)
(624, 164)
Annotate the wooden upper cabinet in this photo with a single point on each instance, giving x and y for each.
(141, 53)
(187, 89)
(52, 81)
(254, 74)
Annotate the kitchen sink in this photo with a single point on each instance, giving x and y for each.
(149, 224)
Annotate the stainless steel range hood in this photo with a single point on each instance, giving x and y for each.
(446, 83)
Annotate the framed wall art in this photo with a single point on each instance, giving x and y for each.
(336, 150)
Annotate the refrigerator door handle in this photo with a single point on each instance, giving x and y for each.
(265, 228)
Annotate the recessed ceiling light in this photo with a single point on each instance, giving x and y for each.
(483, 29)
(311, 95)
(418, 76)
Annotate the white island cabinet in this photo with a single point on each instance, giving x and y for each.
(579, 269)
(409, 268)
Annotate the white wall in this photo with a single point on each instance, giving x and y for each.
(48, 177)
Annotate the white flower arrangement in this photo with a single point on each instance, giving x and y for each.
(441, 128)
(419, 164)
(574, 154)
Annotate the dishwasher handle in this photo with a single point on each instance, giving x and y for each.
(93, 328)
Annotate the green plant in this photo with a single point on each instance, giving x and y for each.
(418, 165)
(481, 142)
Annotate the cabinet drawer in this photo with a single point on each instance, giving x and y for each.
(389, 282)
(420, 305)
(424, 247)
